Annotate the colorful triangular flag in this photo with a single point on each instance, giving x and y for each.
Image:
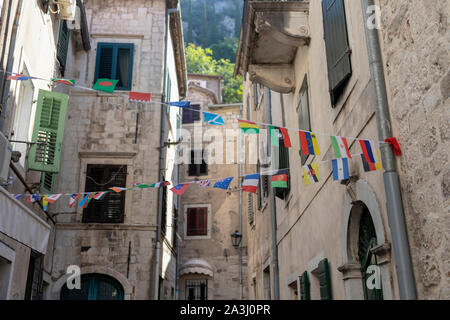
(311, 173)
(250, 183)
(118, 189)
(340, 147)
(18, 196)
(160, 184)
(69, 82)
(141, 185)
(308, 141)
(179, 104)
(212, 118)
(85, 202)
(73, 198)
(180, 189)
(100, 195)
(105, 85)
(53, 197)
(204, 183)
(45, 202)
(340, 169)
(248, 126)
(139, 97)
(223, 184)
(19, 77)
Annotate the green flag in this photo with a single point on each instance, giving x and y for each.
(274, 136)
(105, 85)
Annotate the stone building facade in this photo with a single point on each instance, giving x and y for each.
(415, 41)
(111, 141)
(26, 230)
(327, 234)
(209, 265)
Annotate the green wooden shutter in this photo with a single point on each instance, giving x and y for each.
(48, 130)
(304, 287)
(283, 154)
(63, 45)
(47, 182)
(324, 280)
(338, 50)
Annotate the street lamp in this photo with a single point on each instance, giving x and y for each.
(236, 238)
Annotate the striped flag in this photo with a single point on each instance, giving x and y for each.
(280, 179)
(311, 173)
(250, 183)
(53, 197)
(204, 183)
(160, 184)
(45, 202)
(100, 195)
(308, 141)
(248, 127)
(68, 82)
(85, 202)
(276, 132)
(180, 189)
(368, 150)
(369, 166)
(73, 198)
(19, 77)
(340, 147)
(340, 169)
(118, 189)
(139, 97)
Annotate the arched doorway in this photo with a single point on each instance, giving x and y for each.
(367, 240)
(94, 286)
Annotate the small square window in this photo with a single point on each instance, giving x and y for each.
(115, 61)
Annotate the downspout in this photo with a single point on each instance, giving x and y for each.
(241, 284)
(161, 163)
(394, 204)
(5, 85)
(273, 213)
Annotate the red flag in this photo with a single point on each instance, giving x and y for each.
(286, 139)
(395, 145)
(139, 97)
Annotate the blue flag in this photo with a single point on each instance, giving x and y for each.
(223, 184)
(180, 104)
(213, 118)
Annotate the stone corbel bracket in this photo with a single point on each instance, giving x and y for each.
(278, 77)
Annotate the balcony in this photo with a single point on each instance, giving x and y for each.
(271, 33)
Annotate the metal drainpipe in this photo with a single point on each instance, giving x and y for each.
(161, 165)
(9, 64)
(241, 284)
(273, 213)
(397, 224)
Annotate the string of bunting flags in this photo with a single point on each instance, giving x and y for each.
(309, 145)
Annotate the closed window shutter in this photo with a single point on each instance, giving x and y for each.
(324, 280)
(203, 221)
(105, 62)
(48, 131)
(337, 47)
(191, 221)
(251, 211)
(63, 45)
(283, 163)
(47, 182)
(110, 209)
(304, 287)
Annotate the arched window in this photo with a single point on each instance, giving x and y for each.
(94, 287)
(367, 239)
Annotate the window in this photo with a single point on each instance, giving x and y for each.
(115, 61)
(169, 89)
(283, 163)
(304, 122)
(110, 209)
(63, 45)
(34, 287)
(47, 182)
(190, 116)
(48, 130)
(263, 187)
(304, 286)
(198, 167)
(251, 211)
(197, 222)
(197, 289)
(337, 47)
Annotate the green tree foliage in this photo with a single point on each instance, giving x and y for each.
(225, 49)
(201, 61)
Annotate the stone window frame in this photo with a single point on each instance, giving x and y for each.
(208, 222)
(108, 158)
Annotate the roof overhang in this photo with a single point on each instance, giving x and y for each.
(271, 33)
(206, 91)
(176, 32)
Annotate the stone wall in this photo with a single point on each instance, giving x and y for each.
(415, 38)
